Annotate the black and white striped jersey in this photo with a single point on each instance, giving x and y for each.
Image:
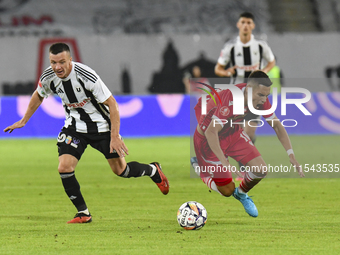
(82, 94)
(247, 56)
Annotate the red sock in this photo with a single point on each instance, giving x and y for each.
(210, 183)
(250, 180)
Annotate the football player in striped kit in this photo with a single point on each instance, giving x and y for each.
(245, 54)
(92, 118)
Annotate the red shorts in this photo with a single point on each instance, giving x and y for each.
(236, 145)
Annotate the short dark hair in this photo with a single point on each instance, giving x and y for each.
(56, 48)
(248, 15)
(259, 77)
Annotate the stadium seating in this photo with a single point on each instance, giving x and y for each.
(173, 16)
(329, 14)
(294, 16)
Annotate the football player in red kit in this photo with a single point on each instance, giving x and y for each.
(219, 134)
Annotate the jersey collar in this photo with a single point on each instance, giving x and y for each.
(245, 44)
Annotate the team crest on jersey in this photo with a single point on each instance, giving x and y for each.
(225, 111)
(78, 89)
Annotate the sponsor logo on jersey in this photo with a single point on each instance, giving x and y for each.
(74, 145)
(76, 140)
(78, 89)
(249, 68)
(79, 105)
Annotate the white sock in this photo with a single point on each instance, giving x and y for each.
(85, 212)
(240, 190)
(211, 184)
(207, 180)
(154, 169)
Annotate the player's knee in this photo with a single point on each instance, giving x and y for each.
(262, 173)
(258, 167)
(228, 193)
(64, 168)
(118, 165)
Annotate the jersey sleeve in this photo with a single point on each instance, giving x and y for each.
(267, 52)
(43, 89)
(99, 90)
(223, 111)
(224, 57)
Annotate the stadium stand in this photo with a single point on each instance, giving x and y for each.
(329, 14)
(173, 16)
(294, 16)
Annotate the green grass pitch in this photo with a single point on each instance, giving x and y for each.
(131, 216)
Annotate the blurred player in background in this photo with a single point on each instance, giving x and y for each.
(276, 76)
(92, 118)
(216, 139)
(194, 82)
(245, 54)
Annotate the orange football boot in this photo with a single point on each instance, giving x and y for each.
(81, 218)
(164, 184)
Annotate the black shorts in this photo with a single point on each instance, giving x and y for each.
(75, 143)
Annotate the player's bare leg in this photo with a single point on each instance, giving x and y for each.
(136, 169)
(117, 165)
(67, 165)
(250, 129)
(257, 171)
(227, 190)
(207, 180)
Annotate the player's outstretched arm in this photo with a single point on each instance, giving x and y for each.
(285, 141)
(214, 143)
(116, 143)
(33, 105)
(269, 66)
(220, 71)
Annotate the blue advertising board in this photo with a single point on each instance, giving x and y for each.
(168, 115)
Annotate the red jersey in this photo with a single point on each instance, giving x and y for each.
(223, 113)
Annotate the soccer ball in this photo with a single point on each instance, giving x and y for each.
(192, 215)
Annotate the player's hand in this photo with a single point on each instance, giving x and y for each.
(16, 125)
(118, 145)
(296, 165)
(230, 71)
